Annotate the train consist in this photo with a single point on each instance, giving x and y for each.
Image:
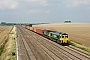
(58, 37)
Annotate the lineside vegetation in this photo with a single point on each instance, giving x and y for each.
(9, 48)
(79, 45)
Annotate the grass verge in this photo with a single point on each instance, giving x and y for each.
(12, 52)
(12, 32)
(1, 49)
(9, 48)
(79, 45)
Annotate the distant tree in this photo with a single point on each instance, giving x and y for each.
(30, 25)
(3, 23)
(67, 21)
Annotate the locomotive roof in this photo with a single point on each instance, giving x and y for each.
(65, 34)
(59, 33)
(56, 32)
(49, 30)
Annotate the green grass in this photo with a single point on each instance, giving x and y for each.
(11, 32)
(79, 45)
(1, 49)
(10, 57)
(12, 50)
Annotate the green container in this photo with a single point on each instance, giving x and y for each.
(55, 35)
(46, 32)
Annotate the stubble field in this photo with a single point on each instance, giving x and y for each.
(78, 32)
(4, 31)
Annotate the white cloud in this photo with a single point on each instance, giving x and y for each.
(33, 0)
(38, 11)
(10, 4)
(38, 2)
(88, 8)
(16, 13)
(35, 11)
(75, 3)
(48, 11)
(58, 4)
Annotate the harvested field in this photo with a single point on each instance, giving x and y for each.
(78, 32)
(4, 31)
(10, 47)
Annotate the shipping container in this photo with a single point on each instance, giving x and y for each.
(24, 26)
(27, 27)
(34, 29)
(31, 28)
(39, 31)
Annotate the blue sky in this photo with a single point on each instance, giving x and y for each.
(48, 11)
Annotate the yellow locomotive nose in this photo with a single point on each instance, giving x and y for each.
(65, 40)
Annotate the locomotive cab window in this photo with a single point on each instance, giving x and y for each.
(62, 36)
(66, 36)
(57, 36)
(51, 34)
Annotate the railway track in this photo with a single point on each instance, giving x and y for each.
(84, 56)
(35, 49)
(81, 52)
(42, 48)
(23, 49)
(39, 51)
(62, 49)
(74, 52)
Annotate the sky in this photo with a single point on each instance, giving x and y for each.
(44, 11)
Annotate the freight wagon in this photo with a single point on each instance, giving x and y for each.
(27, 27)
(24, 26)
(39, 31)
(31, 28)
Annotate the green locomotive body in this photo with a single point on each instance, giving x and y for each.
(59, 37)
